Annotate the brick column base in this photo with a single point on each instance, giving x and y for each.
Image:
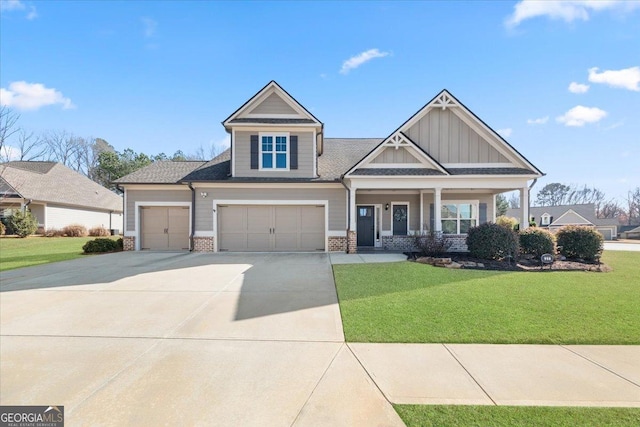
(128, 243)
(203, 244)
(352, 242)
(337, 244)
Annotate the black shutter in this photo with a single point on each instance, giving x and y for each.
(432, 219)
(293, 154)
(483, 213)
(255, 152)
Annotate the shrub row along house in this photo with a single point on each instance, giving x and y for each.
(282, 186)
(57, 196)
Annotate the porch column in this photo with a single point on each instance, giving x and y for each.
(437, 210)
(524, 204)
(494, 208)
(352, 210)
(421, 211)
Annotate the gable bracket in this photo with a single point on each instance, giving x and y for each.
(444, 101)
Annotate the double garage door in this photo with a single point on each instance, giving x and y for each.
(265, 228)
(165, 228)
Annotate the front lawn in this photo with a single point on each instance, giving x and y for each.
(36, 250)
(512, 416)
(416, 303)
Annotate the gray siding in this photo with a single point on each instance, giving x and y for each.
(134, 196)
(337, 198)
(449, 140)
(383, 199)
(242, 157)
(391, 155)
(273, 104)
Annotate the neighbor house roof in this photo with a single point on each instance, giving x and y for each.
(586, 210)
(53, 182)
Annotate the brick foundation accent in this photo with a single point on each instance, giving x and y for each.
(337, 244)
(352, 242)
(397, 243)
(203, 244)
(459, 242)
(129, 243)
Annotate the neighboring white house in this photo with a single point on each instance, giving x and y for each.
(57, 196)
(554, 217)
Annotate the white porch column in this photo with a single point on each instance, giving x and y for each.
(494, 208)
(352, 209)
(421, 211)
(524, 205)
(437, 210)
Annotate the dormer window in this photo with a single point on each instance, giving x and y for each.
(274, 151)
(545, 219)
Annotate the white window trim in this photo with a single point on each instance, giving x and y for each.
(408, 217)
(288, 152)
(547, 217)
(476, 207)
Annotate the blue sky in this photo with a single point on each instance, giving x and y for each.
(161, 76)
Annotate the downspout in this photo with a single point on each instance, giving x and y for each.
(193, 215)
(348, 208)
(529, 200)
(26, 205)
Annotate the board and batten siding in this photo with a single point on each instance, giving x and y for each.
(273, 104)
(391, 155)
(336, 197)
(60, 216)
(133, 196)
(242, 157)
(383, 199)
(449, 140)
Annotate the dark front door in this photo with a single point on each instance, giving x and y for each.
(366, 226)
(400, 213)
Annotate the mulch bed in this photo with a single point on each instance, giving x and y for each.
(521, 265)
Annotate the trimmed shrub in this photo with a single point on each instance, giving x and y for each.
(75, 230)
(54, 232)
(99, 232)
(537, 241)
(492, 241)
(3, 229)
(507, 221)
(23, 223)
(579, 242)
(430, 243)
(120, 243)
(100, 245)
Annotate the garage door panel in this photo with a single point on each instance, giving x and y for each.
(311, 241)
(258, 219)
(286, 241)
(234, 218)
(312, 218)
(233, 241)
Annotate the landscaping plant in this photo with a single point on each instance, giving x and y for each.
(3, 229)
(99, 232)
(75, 230)
(537, 241)
(101, 245)
(580, 242)
(507, 221)
(23, 223)
(431, 243)
(492, 241)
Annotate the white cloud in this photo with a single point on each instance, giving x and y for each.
(540, 121)
(359, 59)
(150, 26)
(567, 10)
(580, 115)
(506, 132)
(10, 153)
(628, 78)
(11, 5)
(32, 96)
(578, 87)
(33, 13)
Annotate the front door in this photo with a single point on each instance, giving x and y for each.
(366, 226)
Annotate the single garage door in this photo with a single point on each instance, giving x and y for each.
(606, 233)
(267, 228)
(165, 228)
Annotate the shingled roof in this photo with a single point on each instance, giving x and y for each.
(161, 172)
(55, 183)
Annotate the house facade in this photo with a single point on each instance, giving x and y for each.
(282, 186)
(57, 196)
(555, 217)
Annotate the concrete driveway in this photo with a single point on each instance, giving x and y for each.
(183, 339)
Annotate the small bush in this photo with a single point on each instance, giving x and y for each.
(430, 243)
(100, 245)
(492, 241)
(53, 232)
(75, 230)
(3, 229)
(537, 241)
(23, 223)
(99, 232)
(507, 221)
(579, 242)
(120, 243)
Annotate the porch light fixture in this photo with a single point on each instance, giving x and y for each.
(203, 194)
(386, 207)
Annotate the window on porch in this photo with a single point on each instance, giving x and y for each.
(457, 218)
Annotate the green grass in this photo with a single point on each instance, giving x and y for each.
(514, 416)
(416, 303)
(35, 250)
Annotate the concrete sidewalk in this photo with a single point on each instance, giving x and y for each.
(342, 258)
(489, 374)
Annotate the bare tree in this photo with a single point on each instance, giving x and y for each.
(30, 145)
(514, 201)
(633, 205)
(8, 125)
(610, 209)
